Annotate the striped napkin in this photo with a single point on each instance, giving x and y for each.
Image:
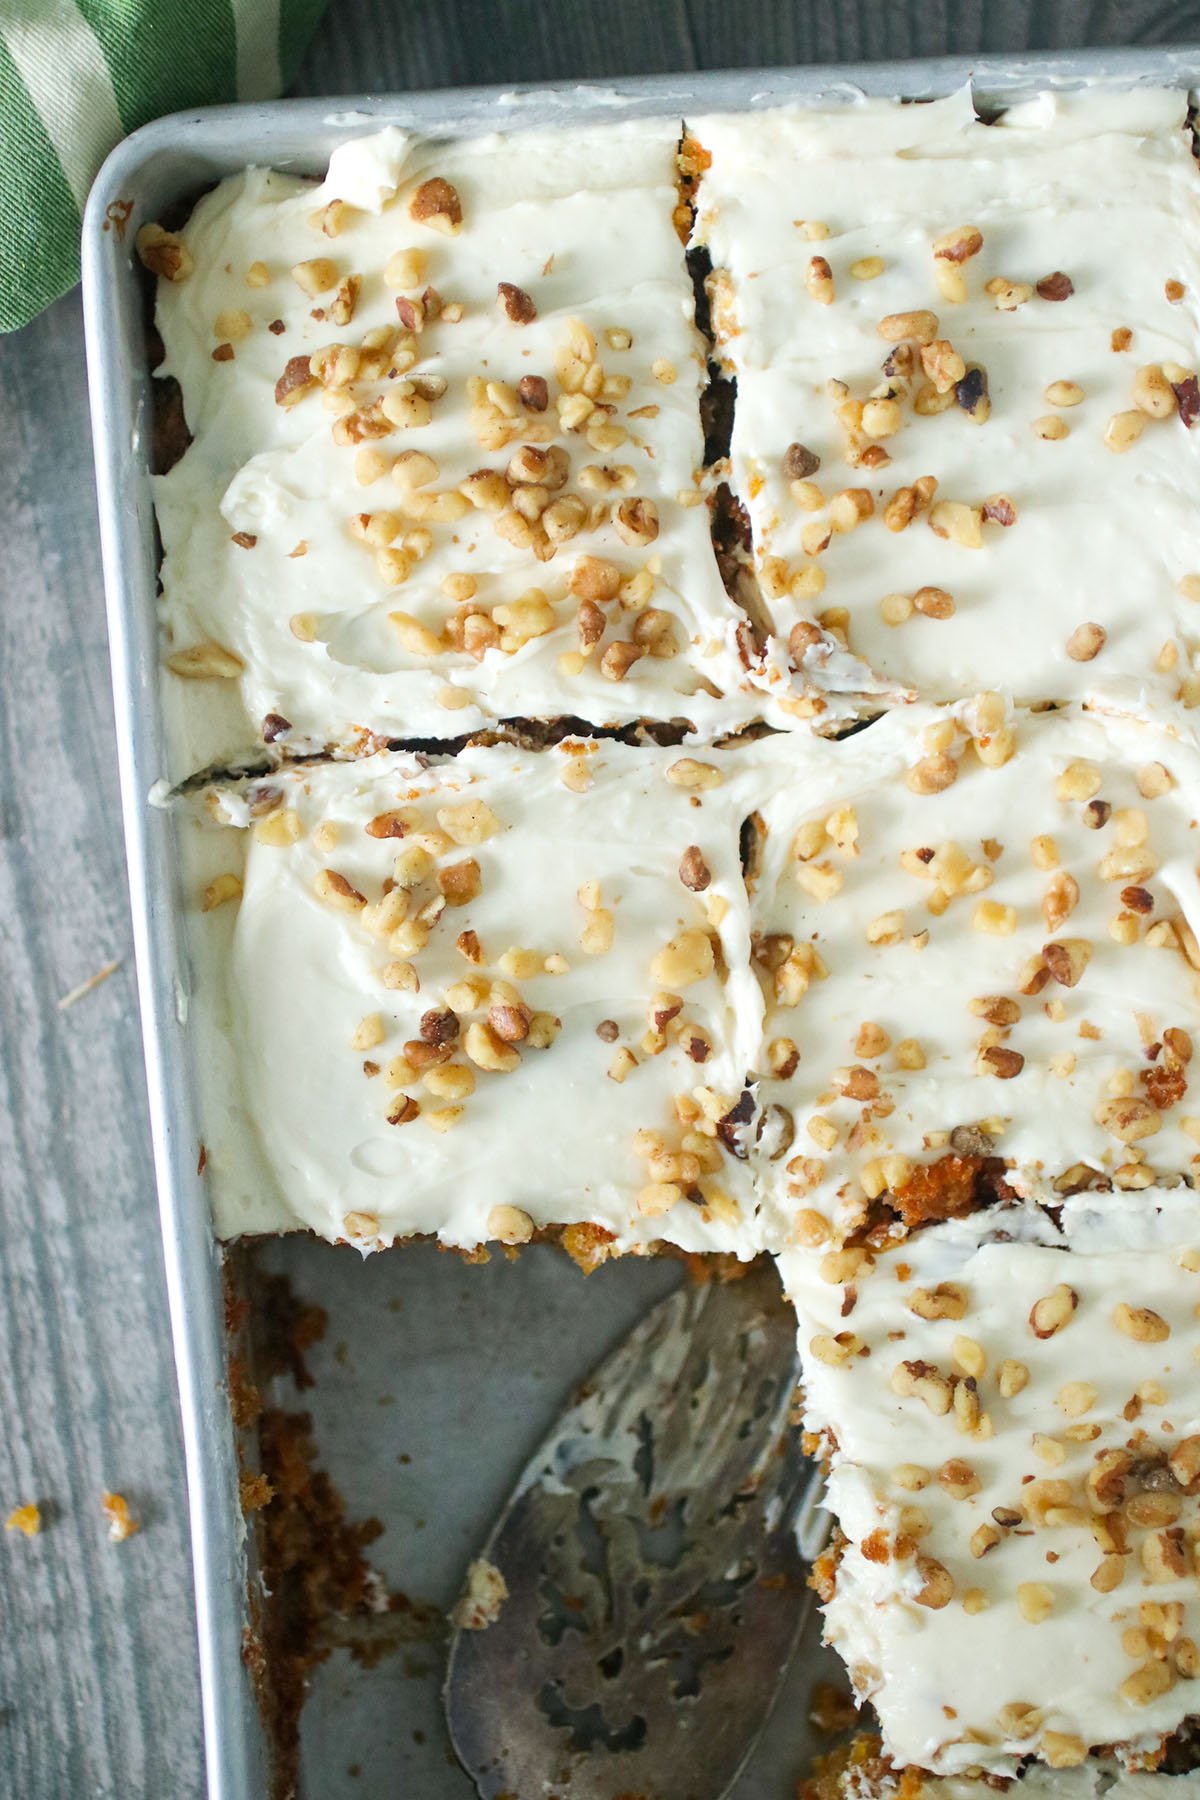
(76, 75)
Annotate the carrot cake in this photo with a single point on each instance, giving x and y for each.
(976, 934)
(965, 357)
(1006, 1402)
(860, 1771)
(446, 458)
(476, 996)
(913, 1007)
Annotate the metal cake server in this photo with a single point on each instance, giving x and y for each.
(654, 1556)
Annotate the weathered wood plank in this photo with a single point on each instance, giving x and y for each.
(97, 1667)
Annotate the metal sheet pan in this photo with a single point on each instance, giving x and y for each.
(158, 165)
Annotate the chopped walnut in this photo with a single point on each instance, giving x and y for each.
(534, 393)
(436, 204)
(163, 253)
(515, 303)
(297, 380)
(693, 870)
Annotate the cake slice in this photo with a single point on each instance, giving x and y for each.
(976, 936)
(476, 998)
(965, 357)
(1006, 1405)
(860, 1771)
(446, 448)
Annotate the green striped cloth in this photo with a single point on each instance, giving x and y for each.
(76, 75)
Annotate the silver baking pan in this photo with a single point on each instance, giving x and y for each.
(432, 1458)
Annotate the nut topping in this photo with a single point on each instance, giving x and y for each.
(1053, 1311)
(163, 253)
(971, 394)
(1141, 1323)
(437, 205)
(515, 303)
(534, 393)
(819, 280)
(297, 380)
(693, 870)
(959, 245)
(1003, 1062)
(799, 462)
(917, 327)
(1055, 287)
(1086, 642)
(439, 1026)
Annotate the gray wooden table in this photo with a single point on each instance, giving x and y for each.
(97, 1665)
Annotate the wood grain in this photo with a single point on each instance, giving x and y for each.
(97, 1663)
(97, 1666)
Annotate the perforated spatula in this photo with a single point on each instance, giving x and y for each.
(653, 1553)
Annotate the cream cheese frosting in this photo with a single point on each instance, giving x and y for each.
(976, 934)
(1008, 1403)
(790, 994)
(1062, 514)
(334, 538)
(867, 1776)
(921, 987)
(474, 998)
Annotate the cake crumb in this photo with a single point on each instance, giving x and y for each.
(254, 1491)
(481, 1599)
(831, 1709)
(85, 987)
(121, 1522)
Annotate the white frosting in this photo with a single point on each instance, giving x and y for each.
(583, 224)
(366, 171)
(1102, 187)
(1094, 1054)
(296, 1132)
(940, 1679)
(1105, 1027)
